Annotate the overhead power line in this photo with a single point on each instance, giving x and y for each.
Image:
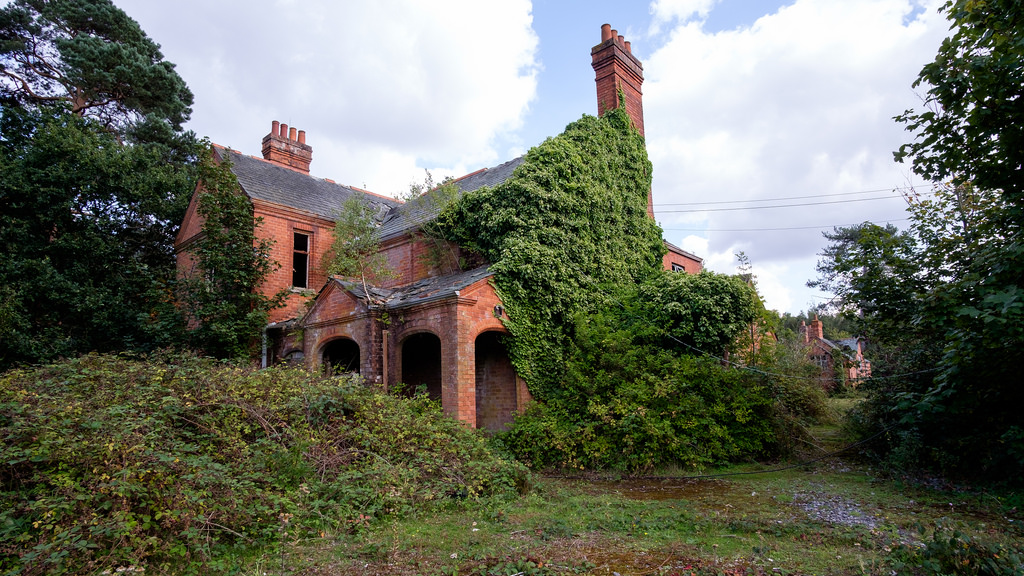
(787, 228)
(777, 199)
(799, 204)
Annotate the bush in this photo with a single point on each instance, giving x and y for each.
(950, 551)
(177, 464)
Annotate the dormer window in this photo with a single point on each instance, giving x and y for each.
(300, 260)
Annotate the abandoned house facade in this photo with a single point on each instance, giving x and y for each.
(432, 325)
(825, 353)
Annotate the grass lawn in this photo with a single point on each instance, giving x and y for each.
(835, 516)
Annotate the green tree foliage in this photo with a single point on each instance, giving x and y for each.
(97, 175)
(945, 361)
(181, 465)
(355, 248)
(86, 229)
(570, 221)
(947, 296)
(971, 130)
(89, 56)
(225, 308)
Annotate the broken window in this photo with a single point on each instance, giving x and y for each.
(300, 261)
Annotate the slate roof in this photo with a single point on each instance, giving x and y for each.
(424, 291)
(411, 214)
(263, 180)
(672, 247)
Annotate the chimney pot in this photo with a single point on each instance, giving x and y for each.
(606, 32)
(621, 40)
(628, 49)
(281, 147)
(614, 34)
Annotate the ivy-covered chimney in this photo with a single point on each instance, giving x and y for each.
(617, 69)
(286, 147)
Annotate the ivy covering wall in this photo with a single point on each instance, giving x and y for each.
(568, 225)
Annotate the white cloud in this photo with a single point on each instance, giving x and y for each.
(665, 11)
(798, 104)
(382, 88)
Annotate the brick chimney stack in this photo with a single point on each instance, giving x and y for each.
(617, 69)
(815, 329)
(286, 147)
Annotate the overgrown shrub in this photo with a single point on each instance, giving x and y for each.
(110, 462)
(952, 552)
(638, 393)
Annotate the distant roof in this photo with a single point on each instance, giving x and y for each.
(263, 180)
(673, 248)
(427, 290)
(412, 214)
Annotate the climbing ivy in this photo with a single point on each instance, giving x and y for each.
(568, 224)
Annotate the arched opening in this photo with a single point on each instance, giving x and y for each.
(495, 383)
(421, 364)
(341, 356)
(293, 358)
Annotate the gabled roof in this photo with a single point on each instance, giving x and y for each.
(412, 214)
(422, 292)
(263, 180)
(676, 249)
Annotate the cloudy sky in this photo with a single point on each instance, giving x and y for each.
(767, 121)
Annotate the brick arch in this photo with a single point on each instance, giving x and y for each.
(496, 383)
(294, 359)
(421, 353)
(340, 354)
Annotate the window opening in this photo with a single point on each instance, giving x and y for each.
(300, 261)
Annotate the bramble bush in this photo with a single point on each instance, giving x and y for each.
(180, 464)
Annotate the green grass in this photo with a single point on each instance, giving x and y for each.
(753, 523)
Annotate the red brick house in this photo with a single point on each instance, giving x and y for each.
(434, 326)
(825, 353)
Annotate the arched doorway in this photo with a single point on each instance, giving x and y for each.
(341, 356)
(495, 383)
(421, 364)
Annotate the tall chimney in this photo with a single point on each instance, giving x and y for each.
(815, 330)
(617, 69)
(287, 147)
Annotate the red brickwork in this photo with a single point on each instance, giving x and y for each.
(674, 259)
(287, 147)
(279, 224)
(617, 69)
(496, 394)
(414, 258)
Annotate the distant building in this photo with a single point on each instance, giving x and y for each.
(825, 353)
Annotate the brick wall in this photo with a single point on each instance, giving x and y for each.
(279, 225)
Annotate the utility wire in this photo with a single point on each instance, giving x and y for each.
(799, 204)
(776, 199)
(774, 229)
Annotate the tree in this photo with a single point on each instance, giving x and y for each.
(97, 175)
(86, 233)
(89, 56)
(225, 308)
(355, 250)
